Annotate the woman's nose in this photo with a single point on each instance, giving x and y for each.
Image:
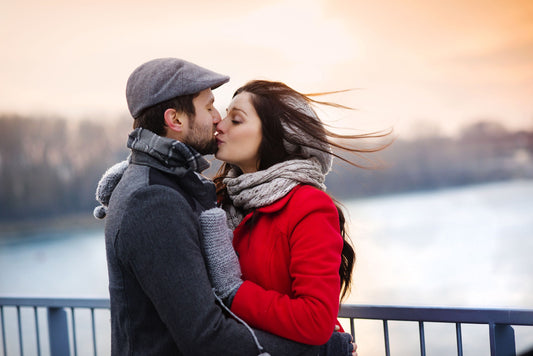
(220, 125)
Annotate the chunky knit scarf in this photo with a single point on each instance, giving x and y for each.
(174, 154)
(253, 190)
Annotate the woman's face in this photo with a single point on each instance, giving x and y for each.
(239, 134)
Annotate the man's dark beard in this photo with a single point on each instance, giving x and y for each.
(203, 148)
(207, 148)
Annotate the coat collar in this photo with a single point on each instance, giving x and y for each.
(274, 207)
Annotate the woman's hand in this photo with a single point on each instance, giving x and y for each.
(221, 259)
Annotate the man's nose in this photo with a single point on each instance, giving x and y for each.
(216, 117)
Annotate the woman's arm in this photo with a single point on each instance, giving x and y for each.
(315, 244)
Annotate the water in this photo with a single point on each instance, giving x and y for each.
(61, 264)
(466, 247)
(459, 247)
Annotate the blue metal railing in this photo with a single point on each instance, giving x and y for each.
(61, 332)
(499, 321)
(61, 339)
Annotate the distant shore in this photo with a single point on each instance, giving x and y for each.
(64, 222)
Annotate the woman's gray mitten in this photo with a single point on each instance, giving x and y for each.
(222, 261)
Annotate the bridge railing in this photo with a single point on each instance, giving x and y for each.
(500, 323)
(52, 326)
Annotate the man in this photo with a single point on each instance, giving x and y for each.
(162, 302)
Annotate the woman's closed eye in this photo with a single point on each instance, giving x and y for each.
(235, 119)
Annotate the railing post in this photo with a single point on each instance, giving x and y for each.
(502, 341)
(58, 332)
(386, 334)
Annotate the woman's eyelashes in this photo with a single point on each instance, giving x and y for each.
(234, 118)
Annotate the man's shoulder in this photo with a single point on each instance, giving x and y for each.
(148, 184)
(146, 197)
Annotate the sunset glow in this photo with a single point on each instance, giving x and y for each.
(443, 63)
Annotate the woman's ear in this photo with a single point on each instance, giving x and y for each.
(174, 120)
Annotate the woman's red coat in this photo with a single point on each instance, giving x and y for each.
(290, 253)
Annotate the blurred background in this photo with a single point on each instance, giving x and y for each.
(446, 221)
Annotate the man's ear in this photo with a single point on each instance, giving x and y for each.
(174, 120)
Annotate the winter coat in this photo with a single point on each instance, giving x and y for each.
(290, 254)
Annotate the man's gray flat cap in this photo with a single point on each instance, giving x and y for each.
(165, 78)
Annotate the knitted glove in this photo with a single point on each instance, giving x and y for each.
(222, 261)
(339, 344)
(106, 185)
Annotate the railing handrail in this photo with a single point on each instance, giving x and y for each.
(439, 314)
(374, 312)
(55, 302)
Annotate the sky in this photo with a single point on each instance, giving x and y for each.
(414, 65)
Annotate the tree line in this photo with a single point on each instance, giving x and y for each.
(50, 167)
(483, 152)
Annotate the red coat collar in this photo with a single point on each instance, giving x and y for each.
(275, 206)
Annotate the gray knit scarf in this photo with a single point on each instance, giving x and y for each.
(174, 154)
(253, 190)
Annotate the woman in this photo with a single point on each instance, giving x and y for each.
(289, 234)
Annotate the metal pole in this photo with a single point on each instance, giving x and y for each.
(58, 332)
(502, 340)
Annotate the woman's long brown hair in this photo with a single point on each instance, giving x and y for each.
(271, 101)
